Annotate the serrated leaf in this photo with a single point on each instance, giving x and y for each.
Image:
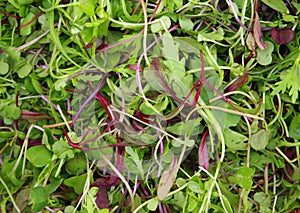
(39, 156)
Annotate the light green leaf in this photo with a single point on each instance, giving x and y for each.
(24, 70)
(170, 49)
(277, 5)
(186, 23)
(234, 140)
(152, 205)
(244, 177)
(3, 68)
(264, 202)
(25, 31)
(39, 156)
(264, 57)
(162, 23)
(260, 140)
(87, 7)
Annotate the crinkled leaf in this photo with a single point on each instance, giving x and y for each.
(39, 156)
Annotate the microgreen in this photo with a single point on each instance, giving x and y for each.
(149, 106)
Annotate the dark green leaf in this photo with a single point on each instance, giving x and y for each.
(76, 182)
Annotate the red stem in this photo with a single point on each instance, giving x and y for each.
(34, 18)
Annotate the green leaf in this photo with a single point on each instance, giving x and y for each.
(162, 23)
(170, 49)
(294, 129)
(25, 31)
(76, 182)
(3, 68)
(264, 202)
(24, 70)
(38, 198)
(260, 140)
(152, 205)
(195, 187)
(87, 7)
(192, 204)
(244, 177)
(264, 57)
(62, 150)
(12, 111)
(76, 165)
(234, 140)
(277, 5)
(39, 156)
(290, 80)
(186, 23)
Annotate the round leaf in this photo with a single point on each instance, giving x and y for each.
(39, 156)
(264, 57)
(3, 68)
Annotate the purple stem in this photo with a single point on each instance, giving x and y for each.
(138, 66)
(48, 102)
(89, 99)
(236, 15)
